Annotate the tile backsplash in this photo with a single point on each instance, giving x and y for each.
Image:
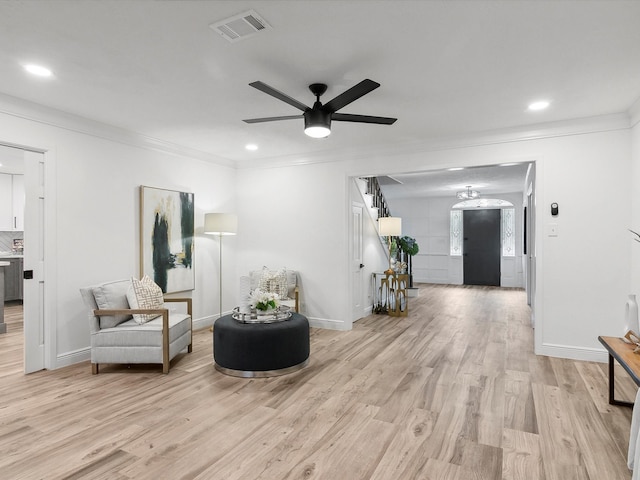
(7, 238)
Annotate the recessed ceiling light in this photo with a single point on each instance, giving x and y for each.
(251, 147)
(537, 106)
(454, 169)
(38, 70)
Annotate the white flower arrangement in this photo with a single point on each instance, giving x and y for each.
(264, 300)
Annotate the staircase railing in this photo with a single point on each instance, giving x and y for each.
(373, 189)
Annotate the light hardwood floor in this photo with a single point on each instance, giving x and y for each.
(453, 391)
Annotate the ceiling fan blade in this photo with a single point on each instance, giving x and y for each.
(347, 117)
(263, 87)
(350, 95)
(271, 119)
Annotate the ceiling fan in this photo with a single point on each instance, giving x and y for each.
(317, 119)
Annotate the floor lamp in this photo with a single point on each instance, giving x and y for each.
(389, 227)
(220, 224)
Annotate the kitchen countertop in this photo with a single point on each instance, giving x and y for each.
(12, 255)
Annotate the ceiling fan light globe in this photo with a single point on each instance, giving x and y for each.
(317, 131)
(317, 123)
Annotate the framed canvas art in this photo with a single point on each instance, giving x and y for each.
(166, 238)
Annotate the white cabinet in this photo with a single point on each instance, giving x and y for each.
(6, 202)
(18, 202)
(11, 202)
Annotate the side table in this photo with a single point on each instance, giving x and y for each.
(390, 293)
(622, 352)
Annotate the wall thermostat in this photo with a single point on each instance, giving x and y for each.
(554, 209)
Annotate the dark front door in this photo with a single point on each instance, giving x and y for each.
(481, 248)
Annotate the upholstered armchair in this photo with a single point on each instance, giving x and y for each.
(121, 334)
(283, 282)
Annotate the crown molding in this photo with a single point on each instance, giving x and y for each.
(634, 112)
(580, 126)
(27, 110)
(35, 112)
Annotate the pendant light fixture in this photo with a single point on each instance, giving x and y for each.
(467, 194)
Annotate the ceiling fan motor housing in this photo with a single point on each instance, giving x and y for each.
(316, 117)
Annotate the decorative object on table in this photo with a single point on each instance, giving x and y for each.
(220, 224)
(631, 315)
(409, 248)
(264, 301)
(283, 281)
(633, 338)
(279, 314)
(166, 238)
(390, 227)
(244, 295)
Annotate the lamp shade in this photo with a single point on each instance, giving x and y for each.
(220, 223)
(390, 226)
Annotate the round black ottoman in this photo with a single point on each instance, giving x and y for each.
(260, 349)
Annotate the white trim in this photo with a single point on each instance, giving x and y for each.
(634, 113)
(574, 353)
(34, 112)
(50, 260)
(70, 358)
(203, 322)
(581, 126)
(329, 324)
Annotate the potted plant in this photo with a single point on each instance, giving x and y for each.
(409, 247)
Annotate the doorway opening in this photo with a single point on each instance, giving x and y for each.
(26, 236)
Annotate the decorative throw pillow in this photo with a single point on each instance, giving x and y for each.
(145, 293)
(274, 282)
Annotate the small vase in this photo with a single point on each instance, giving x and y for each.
(631, 315)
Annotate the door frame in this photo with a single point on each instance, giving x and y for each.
(47, 308)
(358, 309)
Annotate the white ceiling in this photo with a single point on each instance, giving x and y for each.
(488, 181)
(447, 68)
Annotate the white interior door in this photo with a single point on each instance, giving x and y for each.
(34, 326)
(356, 260)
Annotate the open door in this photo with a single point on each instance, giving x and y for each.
(34, 326)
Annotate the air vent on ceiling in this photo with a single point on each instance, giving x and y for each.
(240, 26)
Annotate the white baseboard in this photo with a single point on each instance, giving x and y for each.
(328, 324)
(75, 356)
(204, 322)
(574, 353)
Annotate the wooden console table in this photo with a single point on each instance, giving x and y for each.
(390, 293)
(622, 352)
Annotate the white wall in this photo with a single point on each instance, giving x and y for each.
(96, 236)
(427, 219)
(296, 217)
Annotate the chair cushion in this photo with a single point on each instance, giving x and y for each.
(149, 334)
(144, 293)
(112, 296)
